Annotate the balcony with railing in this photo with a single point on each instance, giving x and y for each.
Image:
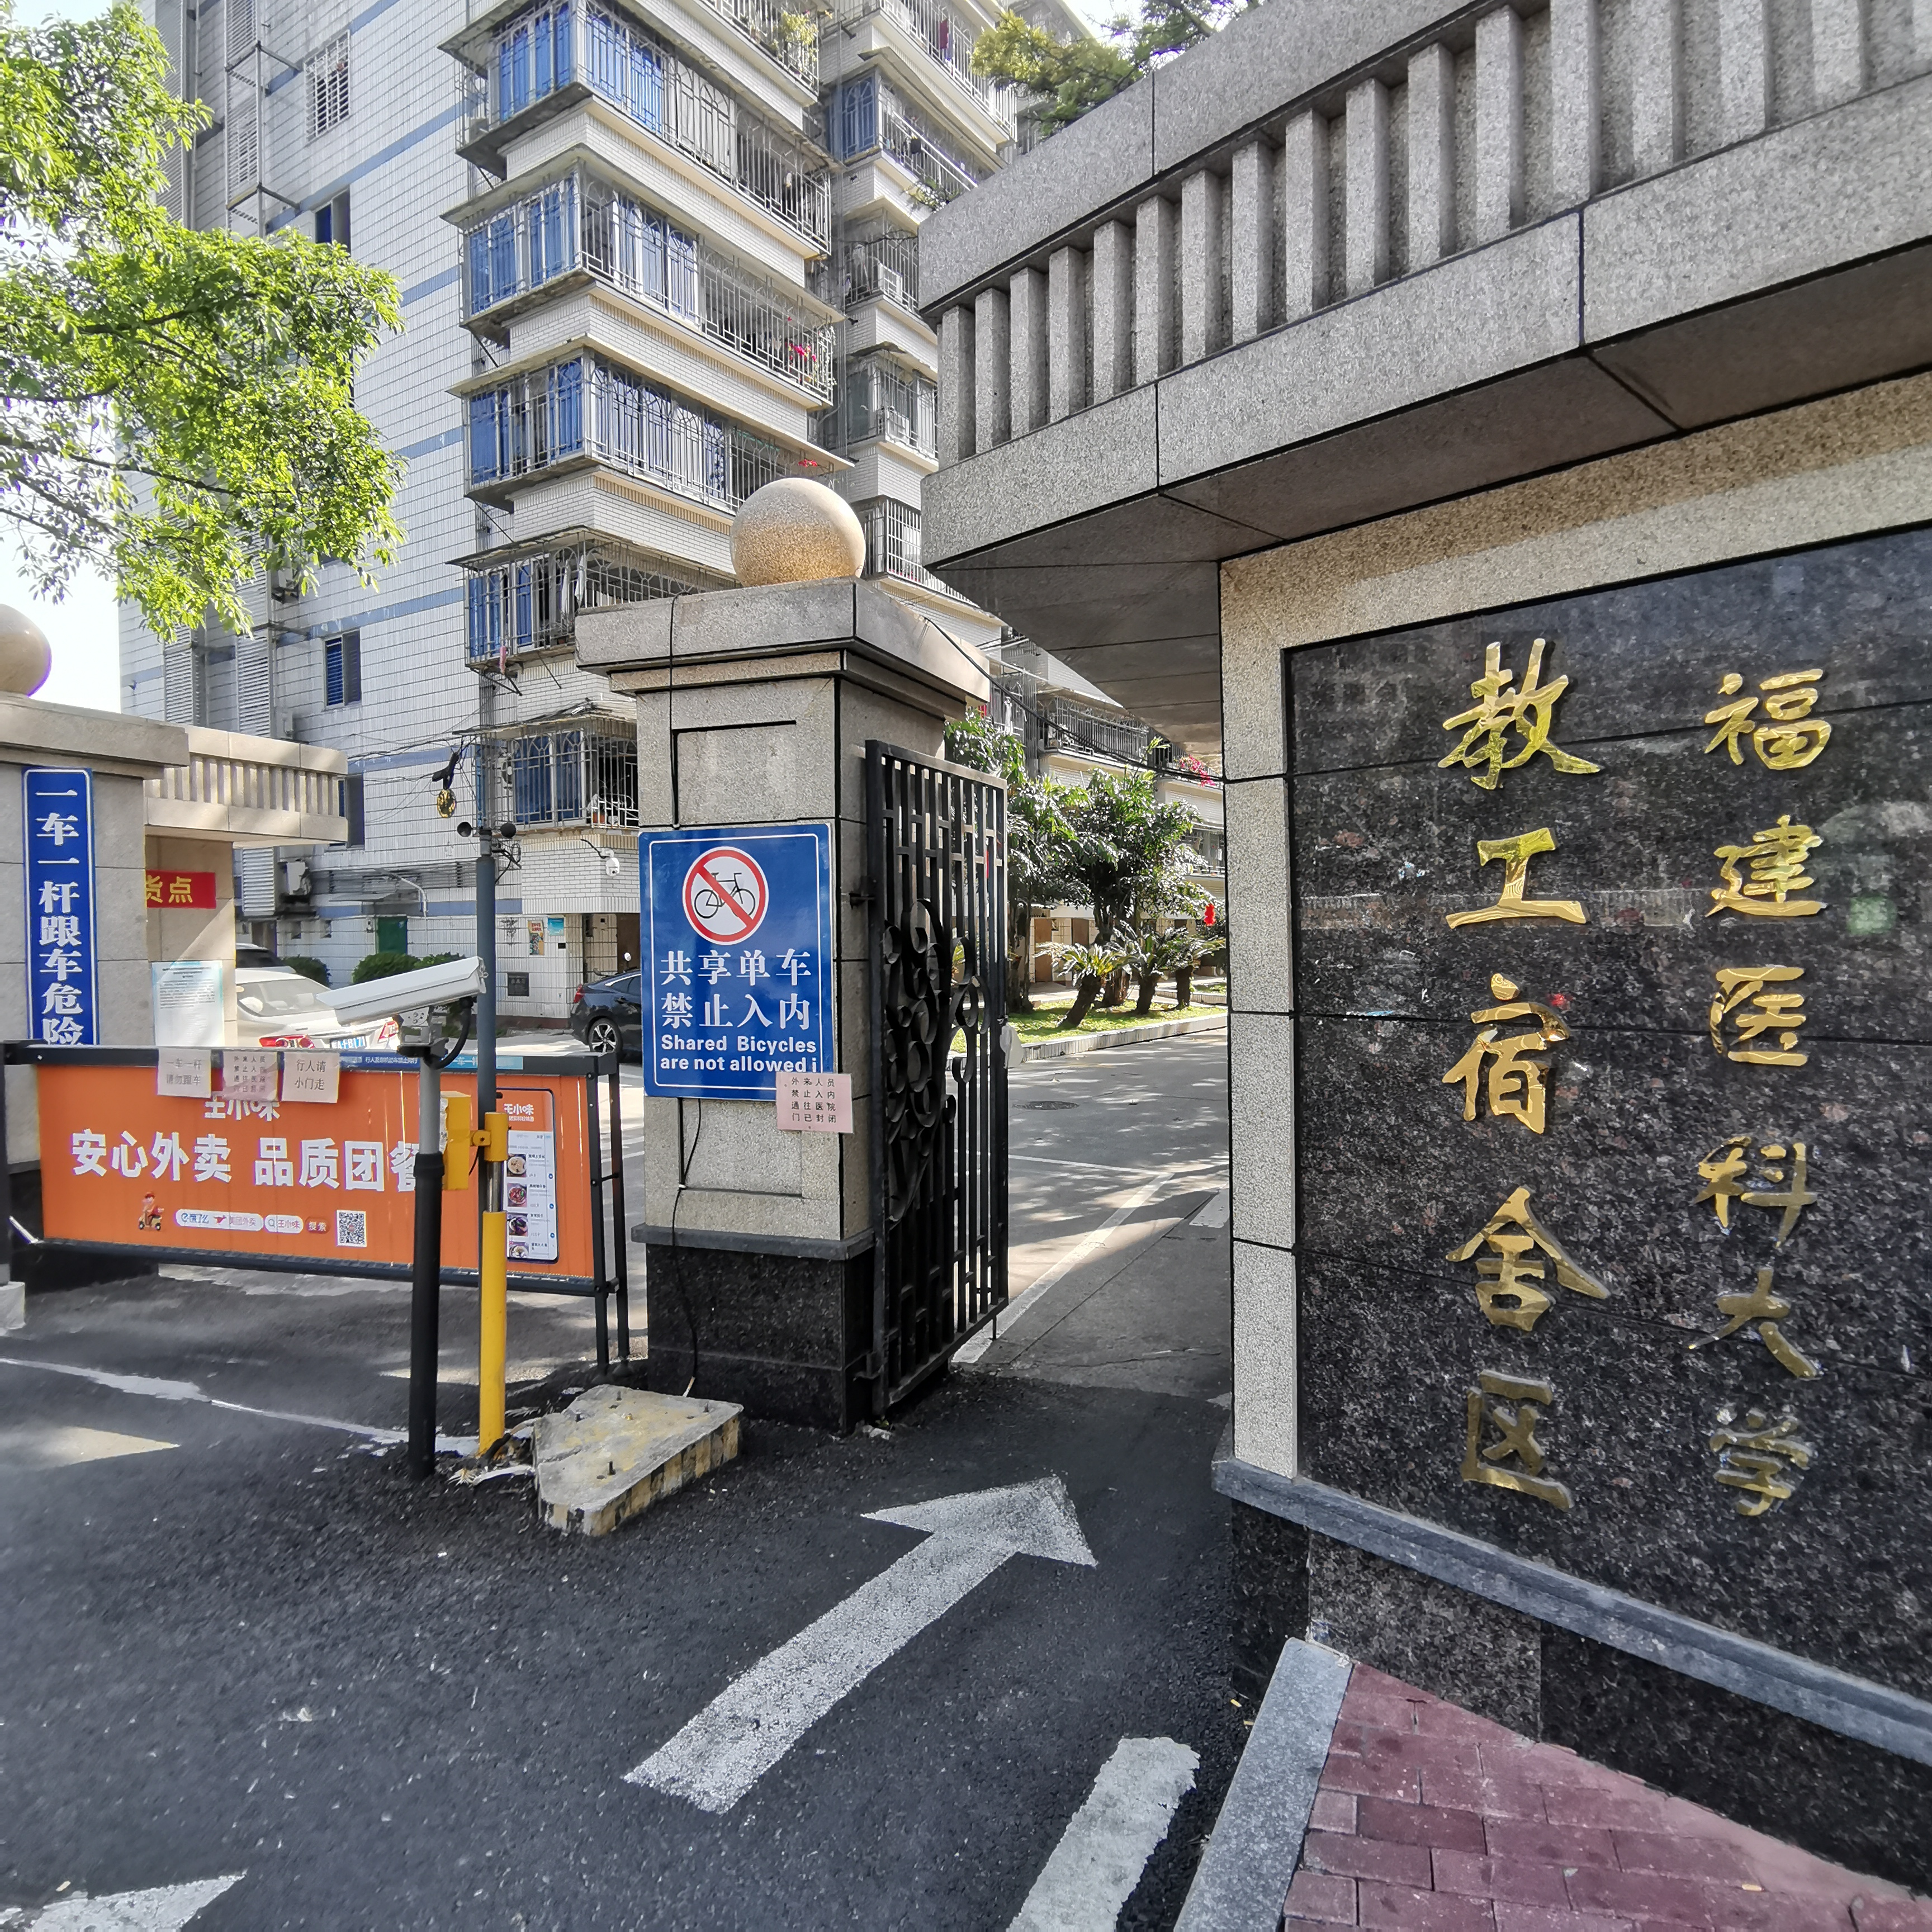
(870, 116)
(584, 409)
(879, 400)
(789, 36)
(580, 225)
(554, 56)
(891, 543)
(530, 599)
(579, 776)
(883, 263)
(945, 40)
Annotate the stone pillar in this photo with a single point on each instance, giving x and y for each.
(1304, 216)
(753, 708)
(1111, 280)
(1366, 227)
(1431, 155)
(1026, 296)
(1498, 123)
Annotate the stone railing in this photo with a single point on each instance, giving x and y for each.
(1141, 241)
(251, 791)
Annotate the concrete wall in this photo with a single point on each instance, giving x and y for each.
(186, 934)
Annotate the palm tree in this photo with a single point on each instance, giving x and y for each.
(1089, 965)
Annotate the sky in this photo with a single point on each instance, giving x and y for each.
(83, 628)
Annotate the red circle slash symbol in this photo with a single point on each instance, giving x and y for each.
(725, 895)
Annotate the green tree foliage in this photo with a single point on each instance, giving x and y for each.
(1092, 967)
(1039, 836)
(383, 966)
(1130, 856)
(1073, 77)
(175, 407)
(309, 967)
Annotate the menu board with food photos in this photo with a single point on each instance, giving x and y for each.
(529, 1177)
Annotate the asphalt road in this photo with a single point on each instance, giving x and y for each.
(235, 1638)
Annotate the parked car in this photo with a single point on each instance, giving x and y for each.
(276, 1006)
(607, 1016)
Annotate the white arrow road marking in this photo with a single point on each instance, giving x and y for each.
(971, 1350)
(750, 1725)
(1107, 1842)
(166, 1908)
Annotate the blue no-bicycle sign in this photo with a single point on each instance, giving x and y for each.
(737, 975)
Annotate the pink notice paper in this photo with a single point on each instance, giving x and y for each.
(814, 1103)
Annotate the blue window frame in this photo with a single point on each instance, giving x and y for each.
(480, 297)
(483, 464)
(332, 672)
(858, 124)
(568, 416)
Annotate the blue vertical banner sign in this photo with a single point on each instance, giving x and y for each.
(62, 1008)
(738, 969)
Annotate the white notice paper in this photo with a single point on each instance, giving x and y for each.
(813, 1103)
(185, 1071)
(311, 1076)
(188, 1006)
(250, 1073)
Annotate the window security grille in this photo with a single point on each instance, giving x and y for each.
(327, 73)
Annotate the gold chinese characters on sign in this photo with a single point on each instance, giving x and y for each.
(1724, 1167)
(1502, 711)
(1745, 1003)
(1516, 854)
(1763, 1458)
(1790, 739)
(1777, 856)
(1764, 1313)
(1515, 1459)
(1506, 1276)
(1516, 1083)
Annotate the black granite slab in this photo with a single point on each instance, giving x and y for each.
(1841, 1572)
(1392, 1174)
(1382, 855)
(1392, 1178)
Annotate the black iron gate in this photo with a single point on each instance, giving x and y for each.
(937, 862)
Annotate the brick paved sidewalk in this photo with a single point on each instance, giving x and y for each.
(1431, 1818)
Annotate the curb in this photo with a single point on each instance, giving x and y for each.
(1252, 1855)
(1029, 1051)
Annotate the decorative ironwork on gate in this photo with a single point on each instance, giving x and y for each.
(937, 861)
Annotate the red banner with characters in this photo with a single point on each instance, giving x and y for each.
(279, 1180)
(193, 890)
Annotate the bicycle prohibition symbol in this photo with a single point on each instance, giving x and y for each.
(725, 895)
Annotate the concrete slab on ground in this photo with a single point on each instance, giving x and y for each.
(615, 1451)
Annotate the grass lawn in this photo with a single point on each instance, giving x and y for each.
(1043, 1022)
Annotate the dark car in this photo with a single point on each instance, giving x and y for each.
(606, 1016)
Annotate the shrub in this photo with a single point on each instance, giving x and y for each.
(383, 966)
(310, 969)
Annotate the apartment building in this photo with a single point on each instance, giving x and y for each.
(653, 254)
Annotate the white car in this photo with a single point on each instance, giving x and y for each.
(277, 1006)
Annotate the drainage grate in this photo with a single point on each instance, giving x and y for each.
(1049, 1106)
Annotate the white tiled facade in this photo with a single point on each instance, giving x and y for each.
(628, 237)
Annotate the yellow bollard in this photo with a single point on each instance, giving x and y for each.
(493, 1269)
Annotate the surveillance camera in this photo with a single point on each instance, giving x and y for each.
(612, 866)
(402, 992)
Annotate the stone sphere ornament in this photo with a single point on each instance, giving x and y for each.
(795, 531)
(25, 656)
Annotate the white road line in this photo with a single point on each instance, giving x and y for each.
(168, 1391)
(971, 1350)
(752, 1723)
(166, 1908)
(1215, 1214)
(1107, 1842)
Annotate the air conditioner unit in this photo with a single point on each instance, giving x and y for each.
(285, 720)
(892, 285)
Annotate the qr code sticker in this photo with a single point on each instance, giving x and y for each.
(352, 1228)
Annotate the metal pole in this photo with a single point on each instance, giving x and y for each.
(426, 1284)
(486, 951)
(492, 1235)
